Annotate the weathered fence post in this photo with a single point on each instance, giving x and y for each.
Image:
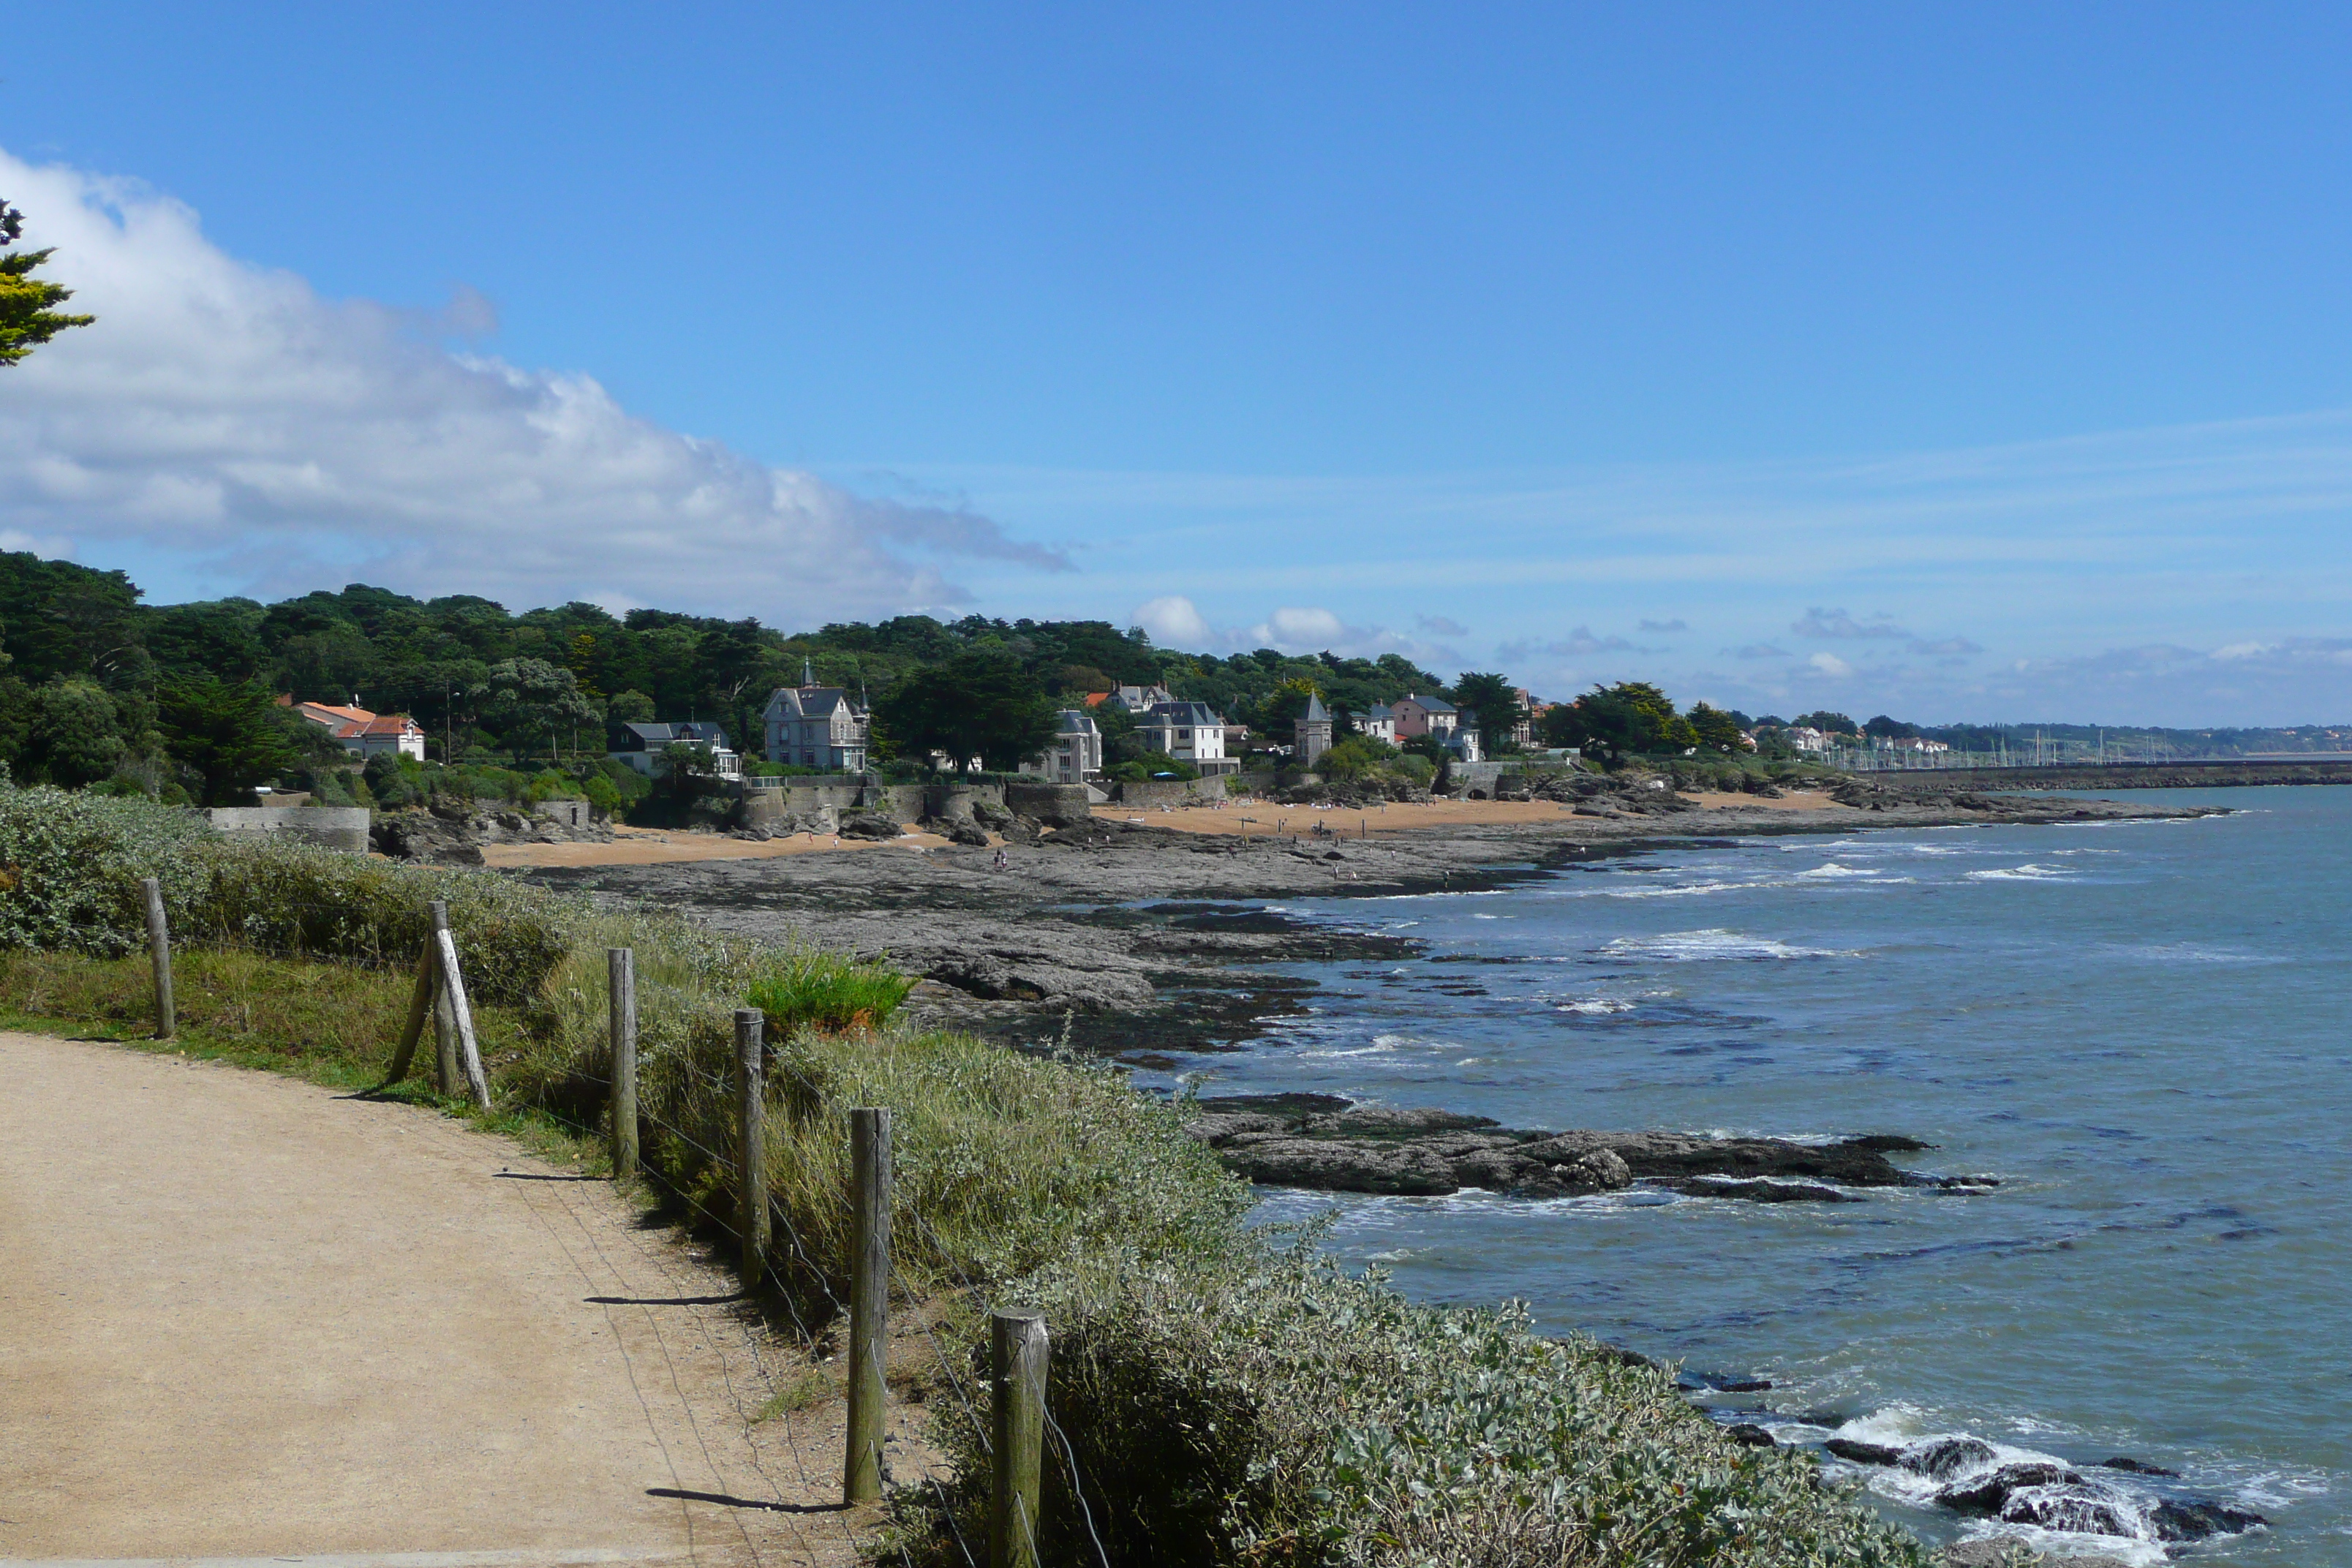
(159, 946)
(445, 1025)
(420, 1003)
(1016, 1358)
(453, 987)
(620, 964)
(869, 1298)
(751, 1148)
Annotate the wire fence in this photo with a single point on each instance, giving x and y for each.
(794, 1276)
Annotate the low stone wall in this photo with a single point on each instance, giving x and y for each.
(1155, 793)
(953, 801)
(1054, 805)
(329, 827)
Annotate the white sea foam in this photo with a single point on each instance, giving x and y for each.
(1834, 869)
(2021, 874)
(1714, 942)
(1597, 1006)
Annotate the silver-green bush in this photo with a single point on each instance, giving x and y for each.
(70, 865)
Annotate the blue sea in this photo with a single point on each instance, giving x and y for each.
(2140, 1028)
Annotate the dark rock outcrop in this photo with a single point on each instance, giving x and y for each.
(1863, 1453)
(2196, 1521)
(867, 824)
(1378, 1149)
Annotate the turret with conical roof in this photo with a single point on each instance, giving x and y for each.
(1312, 730)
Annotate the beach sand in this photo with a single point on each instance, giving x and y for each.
(646, 846)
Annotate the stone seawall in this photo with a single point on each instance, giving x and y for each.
(330, 826)
(2126, 775)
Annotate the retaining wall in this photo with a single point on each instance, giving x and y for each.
(1172, 792)
(329, 827)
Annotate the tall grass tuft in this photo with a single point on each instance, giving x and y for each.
(826, 991)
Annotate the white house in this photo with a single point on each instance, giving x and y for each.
(1805, 738)
(645, 747)
(1190, 732)
(364, 734)
(1075, 754)
(816, 727)
(1379, 722)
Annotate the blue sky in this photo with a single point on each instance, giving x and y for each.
(1965, 362)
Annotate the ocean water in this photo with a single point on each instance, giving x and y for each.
(2140, 1028)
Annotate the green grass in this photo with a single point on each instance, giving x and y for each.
(817, 990)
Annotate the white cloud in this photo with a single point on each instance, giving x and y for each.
(230, 416)
(1831, 665)
(1440, 625)
(1173, 622)
(1292, 630)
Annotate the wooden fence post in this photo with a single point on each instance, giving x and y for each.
(420, 1003)
(751, 1148)
(453, 986)
(1016, 1357)
(444, 1023)
(620, 964)
(159, 946)
(869, 1298)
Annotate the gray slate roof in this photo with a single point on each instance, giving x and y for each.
(653, 737)
(1316, 712)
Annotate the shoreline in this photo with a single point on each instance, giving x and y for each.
(1134, 939)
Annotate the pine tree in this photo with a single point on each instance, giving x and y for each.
(26, 320)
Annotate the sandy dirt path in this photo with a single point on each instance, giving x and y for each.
(241, 1316)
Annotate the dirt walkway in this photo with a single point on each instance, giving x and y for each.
(242, 1316)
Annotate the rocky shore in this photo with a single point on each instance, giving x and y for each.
(1137, 939)
(1326, 1144)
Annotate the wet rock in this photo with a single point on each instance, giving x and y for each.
(1397, 1144)
(1855, 1453)
(2134, 1467)
(1751, 1436)
(2197, 1521)
(1761, 1190)
(1999, 1552)
(2073, 1509)
(1985, 1495)
(969, 834)
(1340, 1165)
(1944, 1457)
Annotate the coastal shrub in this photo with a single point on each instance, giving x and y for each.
(70, 865)
(299, 900)
(1276, 1410)
(1003, 1161)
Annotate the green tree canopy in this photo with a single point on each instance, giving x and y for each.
(228, 734)
(530, 705)
(1632, 716)
(1496, 700)
(1717, 730)
(26, 320)
(73, 735)
(1828, 722)
(978, 704)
